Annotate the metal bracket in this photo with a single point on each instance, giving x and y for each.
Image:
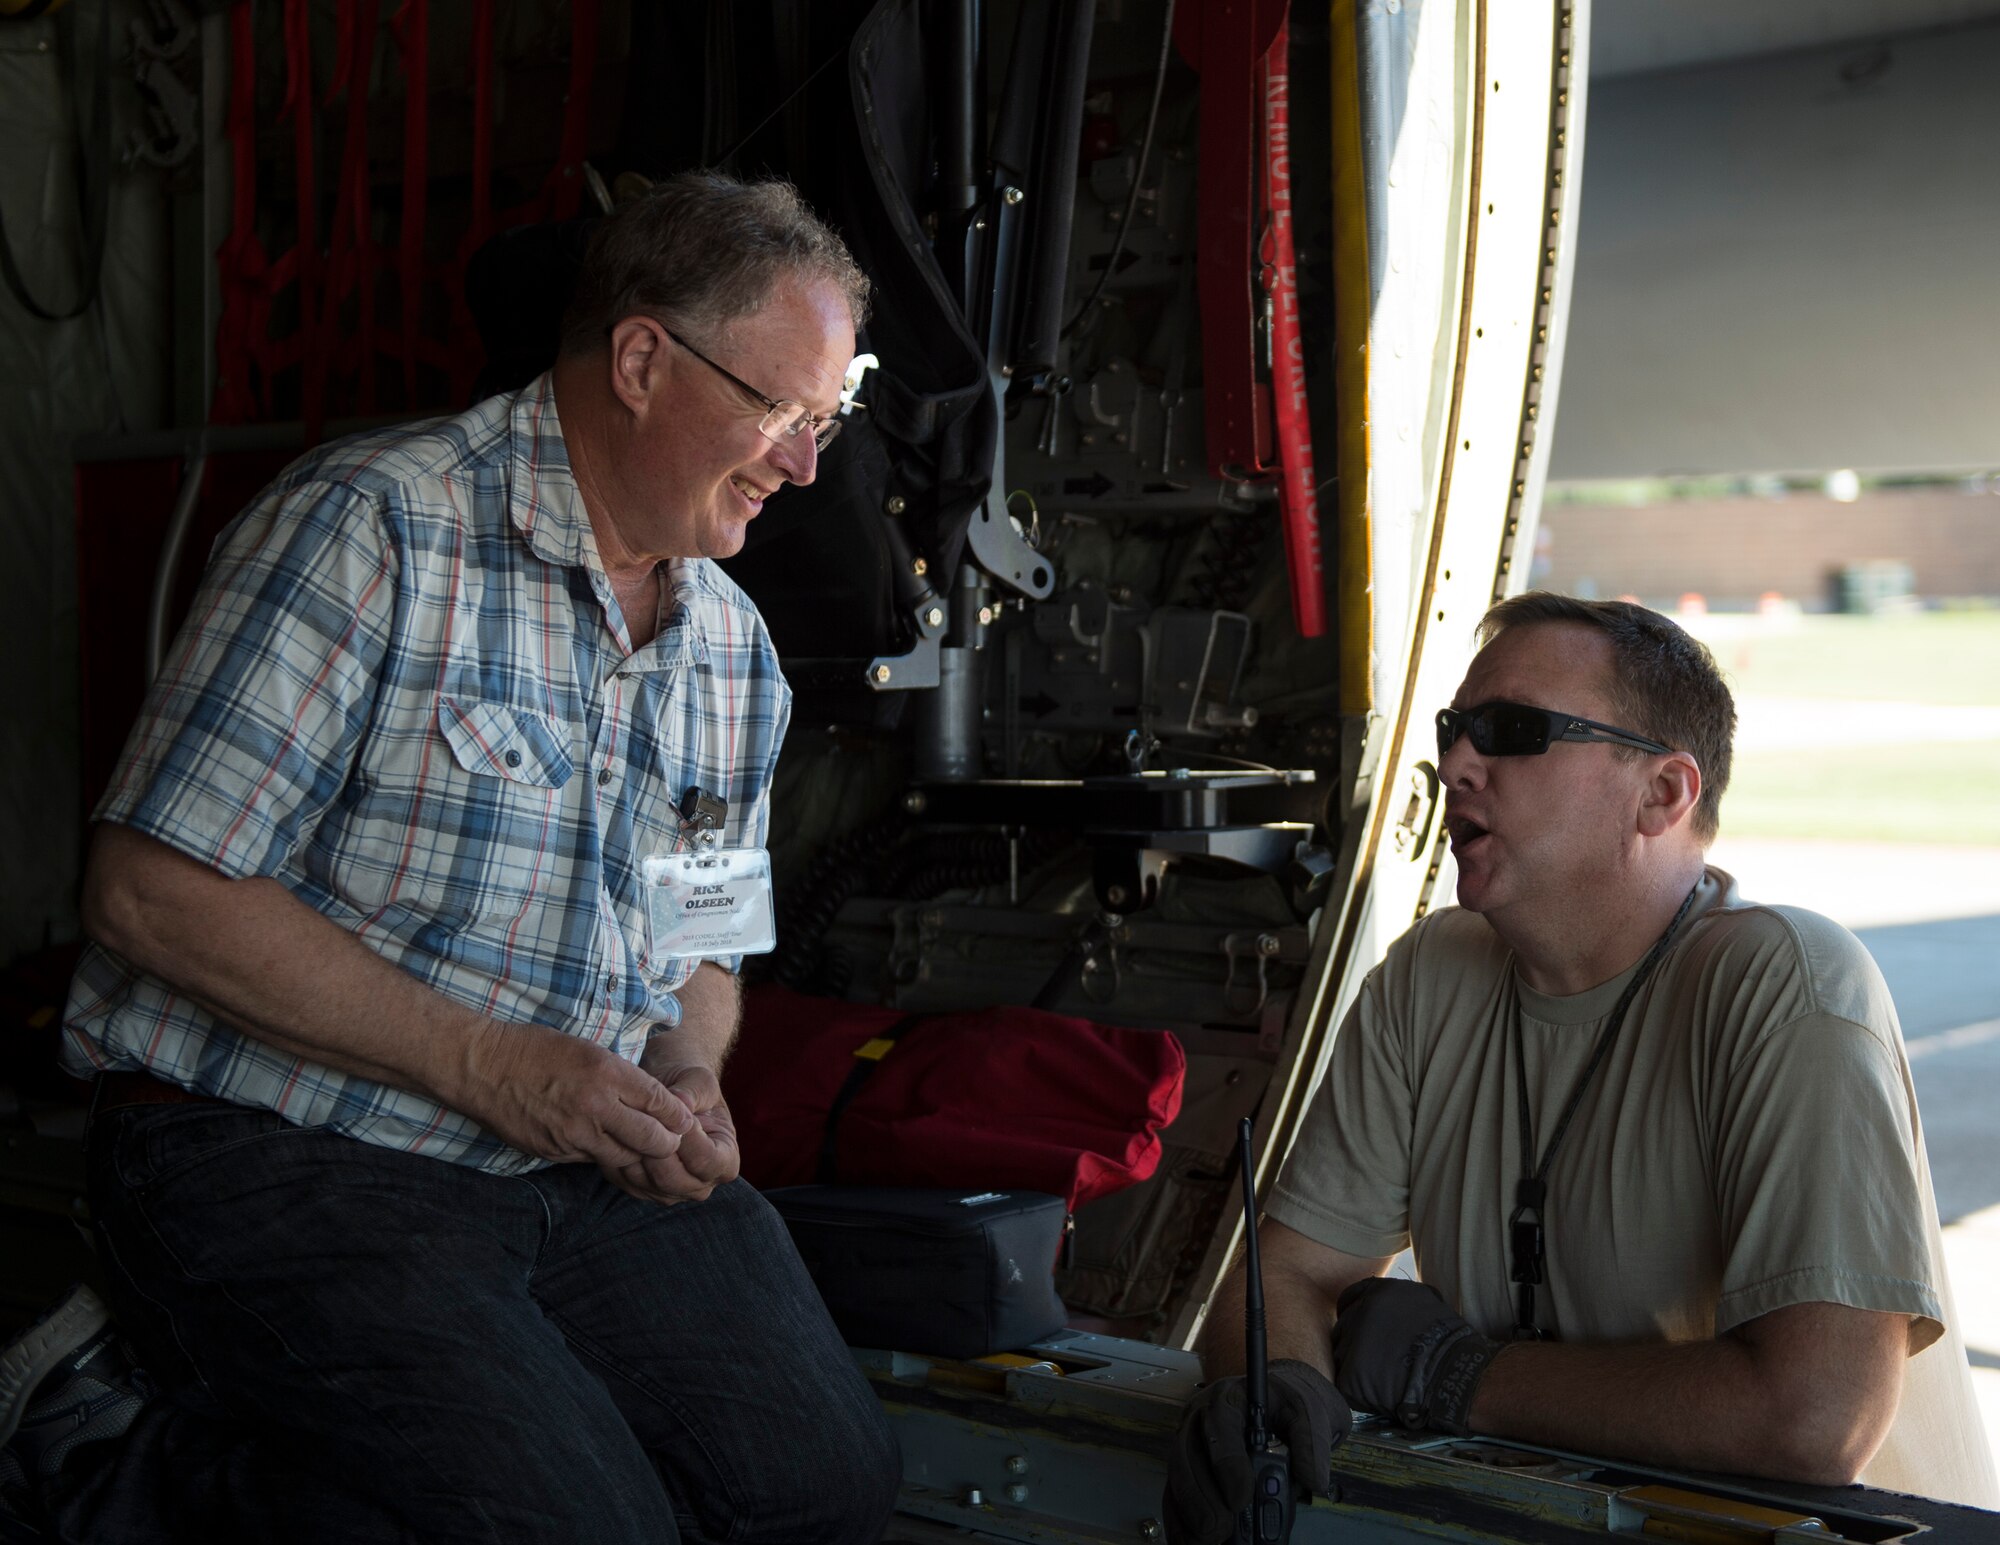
(918, 668)
(1411, 839)
(1001, 550)
(1098, 975)
(1260, 949)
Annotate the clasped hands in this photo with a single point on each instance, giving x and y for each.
(659, 1130)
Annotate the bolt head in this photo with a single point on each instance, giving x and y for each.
(934, 616)
(1017, 1464)
(1014, 195)
(1017, 1493)
(883, 673)
(919, 566)
(914, 802)
(1267, 944)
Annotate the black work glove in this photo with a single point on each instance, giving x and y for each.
(1399, 1350)
(1208, 1478)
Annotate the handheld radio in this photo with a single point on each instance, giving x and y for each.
(1268, 1518)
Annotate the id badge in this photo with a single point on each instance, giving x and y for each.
(710, 901)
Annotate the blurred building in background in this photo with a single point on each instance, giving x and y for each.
(1785, 266)
(1889, 548)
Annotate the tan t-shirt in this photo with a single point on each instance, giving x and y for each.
(1750, 1142)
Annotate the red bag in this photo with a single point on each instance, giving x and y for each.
(1001, 1097)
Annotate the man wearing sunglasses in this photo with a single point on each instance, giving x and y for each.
(1654, 1146)
(409, 1157)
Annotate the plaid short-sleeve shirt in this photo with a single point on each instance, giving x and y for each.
(406, 692)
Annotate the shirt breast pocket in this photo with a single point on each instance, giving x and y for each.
(501, 740)
(509, 840)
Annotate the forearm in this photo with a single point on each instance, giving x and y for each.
(1724, 1404)
(270, 966)
(711, 1008)
(1296, 1318)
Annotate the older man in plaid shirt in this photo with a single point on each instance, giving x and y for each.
(416, 1184)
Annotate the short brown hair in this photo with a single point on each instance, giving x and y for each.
(700, 249)
(1664, 683)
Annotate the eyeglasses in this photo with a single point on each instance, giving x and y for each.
(1515, 729)
(782, 420)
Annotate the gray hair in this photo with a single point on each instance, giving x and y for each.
(1664, 683)
(698, 250)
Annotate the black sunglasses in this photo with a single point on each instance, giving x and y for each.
(1515, 729)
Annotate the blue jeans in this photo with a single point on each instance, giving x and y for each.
(358, 1344)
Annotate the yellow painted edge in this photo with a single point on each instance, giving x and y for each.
(1734, 1511)
(1354, 525)
(875, 1050)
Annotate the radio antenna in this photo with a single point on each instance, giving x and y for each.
(1254, 1354)
(1268, 1518)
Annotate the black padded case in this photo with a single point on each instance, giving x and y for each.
(952, 1273)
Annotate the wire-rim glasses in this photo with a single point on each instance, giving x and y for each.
(782, 420)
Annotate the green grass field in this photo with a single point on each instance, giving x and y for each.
(1903, 792)
(1931, 657)
(1917, 793)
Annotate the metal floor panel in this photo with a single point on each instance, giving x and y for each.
(1068, 1443)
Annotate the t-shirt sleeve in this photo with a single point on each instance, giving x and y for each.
(250, 730)
(1346, 1182)
(1816, 1178)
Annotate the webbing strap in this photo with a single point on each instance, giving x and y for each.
(351, 267)
(241, 263)
(562, 189)
(306, 265)
(1298, 489)
(412, 28)
(466, 352)
(867, 1057)
(566, 180)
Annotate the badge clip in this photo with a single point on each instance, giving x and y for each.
(702, 815)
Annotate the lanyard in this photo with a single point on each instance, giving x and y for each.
(1524, 1224)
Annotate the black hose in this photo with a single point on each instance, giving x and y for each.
(958, 44)
(1052, 196)
(1138, 172)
